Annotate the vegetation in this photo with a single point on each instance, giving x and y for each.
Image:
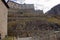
(8, 38)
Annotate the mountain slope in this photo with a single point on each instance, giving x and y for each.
(55, 11)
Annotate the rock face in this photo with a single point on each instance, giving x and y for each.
(54, 11)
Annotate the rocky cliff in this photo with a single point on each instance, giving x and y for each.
(55, 11)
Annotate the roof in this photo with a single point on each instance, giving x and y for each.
(5, 3)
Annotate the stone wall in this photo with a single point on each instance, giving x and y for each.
(3, 19)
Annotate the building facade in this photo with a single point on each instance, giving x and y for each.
(3, 19)
(24, 21)
(22, 10)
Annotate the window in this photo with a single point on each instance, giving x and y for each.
(21, 12)
(14, 19)
(9, 20)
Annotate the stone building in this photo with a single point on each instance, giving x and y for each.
(20, 6)
(22, 10)
(3, 18)
(25, 21)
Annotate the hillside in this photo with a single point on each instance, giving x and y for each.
(54, 12)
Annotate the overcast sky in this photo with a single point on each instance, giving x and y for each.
(44, 5)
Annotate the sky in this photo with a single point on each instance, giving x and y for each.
(44, 5)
